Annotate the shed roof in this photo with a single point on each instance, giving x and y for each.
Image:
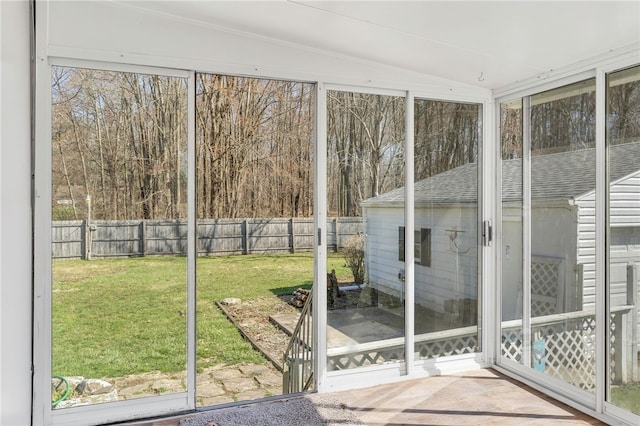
(559, 176)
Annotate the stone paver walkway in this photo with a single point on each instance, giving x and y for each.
(223, 384)
(216, 385)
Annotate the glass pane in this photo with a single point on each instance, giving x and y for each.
(623, 142)
(447, 141)
(563, 234)
(365, 173)
(511, 259)
(254, 145)
(119, 236)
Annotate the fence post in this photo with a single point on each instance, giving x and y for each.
(292, 236)
(87, 234)
(143, 237)
(335, 227)
(84, 229)
(579, 288)
(632, 300)
(244, 230)
(619, 369)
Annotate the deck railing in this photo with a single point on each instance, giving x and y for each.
(298, 358)
(569, 346)
(428, 345)
(568, 341)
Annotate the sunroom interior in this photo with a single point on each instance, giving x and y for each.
(443, 186)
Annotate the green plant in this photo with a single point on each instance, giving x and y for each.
(353, 252)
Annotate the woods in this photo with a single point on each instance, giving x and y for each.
(254, 147)
(122, 139)
(365, 148)
(564, 119)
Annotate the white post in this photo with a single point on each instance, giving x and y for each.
(87, 237)
(409, 222)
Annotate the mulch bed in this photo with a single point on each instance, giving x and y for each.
(251, 317)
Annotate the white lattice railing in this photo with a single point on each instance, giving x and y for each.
(569, 345)
(547, 285)
(429, 345)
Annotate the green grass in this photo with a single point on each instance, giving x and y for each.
(116, 317)
(627, 397)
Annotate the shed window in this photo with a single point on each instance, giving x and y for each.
(421, 247)
(625, 236)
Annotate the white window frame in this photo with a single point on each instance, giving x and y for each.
(411, 368)
(120, 410)
(592, 404)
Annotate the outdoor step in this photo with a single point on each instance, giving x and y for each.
(285, 322)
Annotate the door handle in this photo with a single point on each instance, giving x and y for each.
(487, 233)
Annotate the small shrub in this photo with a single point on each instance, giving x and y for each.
(353, 252)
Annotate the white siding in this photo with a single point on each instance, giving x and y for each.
(586, 249)
(625, 202)
(624, 212)
(382, 264)
(511, 263)
(553, 236)
(451, 275)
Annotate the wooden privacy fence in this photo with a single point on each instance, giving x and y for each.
(107, 238)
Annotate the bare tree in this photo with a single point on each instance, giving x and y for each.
(254, 145)
(365, 148)
(119, 137)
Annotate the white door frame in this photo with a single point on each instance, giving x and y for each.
(42, 340)
(409, 368)
(592, 404)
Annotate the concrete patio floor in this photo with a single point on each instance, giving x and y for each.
(474, 397)
(346, 327)
(351, 326)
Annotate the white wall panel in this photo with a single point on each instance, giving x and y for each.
(15, 215)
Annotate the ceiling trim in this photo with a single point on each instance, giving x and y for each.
(546, 81)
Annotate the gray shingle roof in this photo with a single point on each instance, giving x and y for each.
(559, 176)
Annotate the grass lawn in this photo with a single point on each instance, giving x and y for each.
(116, 317)
(627, 397)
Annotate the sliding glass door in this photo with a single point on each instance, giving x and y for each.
(118, 236)
(420, 278)
(547, 254)
(255, 237)
(365, 236)
(448, 140)
(623, 225)
(171, 195)
(561, 239)
(550, 286)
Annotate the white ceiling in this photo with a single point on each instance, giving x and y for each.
(484, 43)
